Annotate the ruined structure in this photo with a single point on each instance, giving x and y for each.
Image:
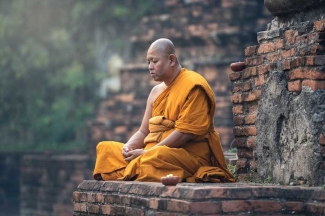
(279, 99)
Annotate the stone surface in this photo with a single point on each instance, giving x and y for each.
(153, 198)
(283, 7)
(287, 139)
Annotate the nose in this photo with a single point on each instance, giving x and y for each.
(150, 66)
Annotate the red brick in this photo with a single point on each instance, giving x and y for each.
(287, 53)
(241, 163)
(304, 73)
(252, 107)
(237, 109)
(239, 120)
(294, 86)
(178, 205)
(234, 76)
(290, 33)
(314, 85)
(205, 207)
(293, 206)
(286, 65)
(83, 197)
(250, 142)
(316, 208)
(297, 62)
(242, 86)
(266, 206)
(76, 196)
(251, 50)
(298, 73)
(279, 44)
(263, 69)
(315, 60)
(266, 48)
(254, 61)
(248, 72)
(239, 142)
(91, 197)
(236, 206)
(93, 208)
(245, 131)
(245, 153)
(321, 139)
(99, 197)
(319, 25)
(260, 80)
(107, 210)
(250, 119)
(236, 98)
(316, 49)
(273, 57)
(252, 96)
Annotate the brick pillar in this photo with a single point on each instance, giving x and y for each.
(278, 99)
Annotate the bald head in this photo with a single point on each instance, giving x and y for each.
(164, 46)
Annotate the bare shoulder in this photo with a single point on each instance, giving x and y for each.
(156, 90)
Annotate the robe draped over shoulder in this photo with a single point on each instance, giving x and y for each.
(187, 106)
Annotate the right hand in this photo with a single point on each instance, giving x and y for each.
(125, 150)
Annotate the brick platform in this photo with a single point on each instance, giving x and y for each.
(140, 198)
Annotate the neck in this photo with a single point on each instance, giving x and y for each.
(175, 74)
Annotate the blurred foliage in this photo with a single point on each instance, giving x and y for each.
(48, 77)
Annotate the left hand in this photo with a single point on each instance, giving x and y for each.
(133, 154)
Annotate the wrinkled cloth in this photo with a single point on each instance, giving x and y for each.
(188, 106)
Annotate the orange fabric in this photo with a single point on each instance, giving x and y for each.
(176, 108)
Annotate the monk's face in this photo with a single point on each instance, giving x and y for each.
(158, 65)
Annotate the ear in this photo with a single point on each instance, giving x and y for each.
(172, 59)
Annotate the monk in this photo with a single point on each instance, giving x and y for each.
(177, 133)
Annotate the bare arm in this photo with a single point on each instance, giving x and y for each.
(176, 139)
(137, 139)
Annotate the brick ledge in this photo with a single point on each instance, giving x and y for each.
(142, 198)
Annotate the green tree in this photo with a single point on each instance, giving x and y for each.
(48, 75)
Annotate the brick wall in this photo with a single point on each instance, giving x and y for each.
(208, 36)
(286, 69)
(136, 198)
(47, 182)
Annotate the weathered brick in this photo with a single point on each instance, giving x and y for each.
(233, 76)
(245, 131)
(260, 80)
(99, 197)
(242, 86)
(252, 107)
(93, 208)
(241, 163)
(107, 210)
(236, 206)
(239, 120)
(266, 48)
(279, 44)
(248, 72)
(266, 206)
(236, 98)
(290, 33)
(76, 196)
(294, 86)
(315, 208)
(250, 143)
(273, 57)
(251, 96)
(205, 207)
(239, 142)
(83, 197)
(237, 109)
(178, 205)
(263, 69)
(267, 192)
(315, 60)
(319, 25)
(305, 73)
(244, 153)
(251, 50)
(287, 53)
(286, 65)
(254, 61)
(321, 139)
(294, 206)
(316, 49)
(322, 151)
(297, 62)
(314, 84)
(91, 197)
(267, 35)
(250, 119)
(158, 203)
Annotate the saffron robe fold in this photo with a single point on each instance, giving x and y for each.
(188, 106)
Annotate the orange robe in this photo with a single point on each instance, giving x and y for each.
(187, 105)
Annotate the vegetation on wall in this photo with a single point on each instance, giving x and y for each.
(48, 74)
